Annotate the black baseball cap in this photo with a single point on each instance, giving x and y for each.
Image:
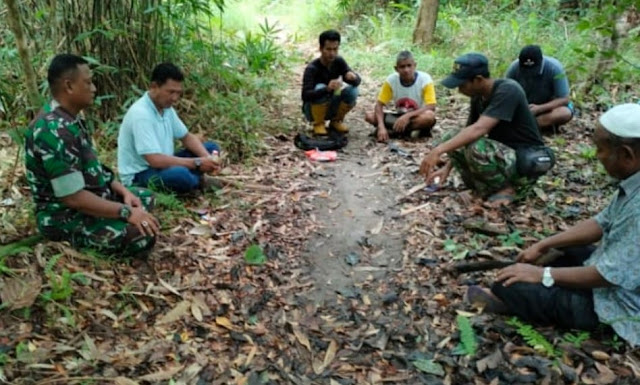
(467, 67)
(530, 57)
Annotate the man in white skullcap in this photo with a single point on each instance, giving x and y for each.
(588, 285)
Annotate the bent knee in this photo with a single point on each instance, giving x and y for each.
(370, 117)
(426, 119)
(563, 115)
(211, 146)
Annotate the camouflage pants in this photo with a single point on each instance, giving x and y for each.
(486, 166)
(113, 237)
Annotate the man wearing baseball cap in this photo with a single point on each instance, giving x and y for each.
(546, 85)
(587, 285)
(500, 150)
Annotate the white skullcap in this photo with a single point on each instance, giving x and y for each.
(622, 120)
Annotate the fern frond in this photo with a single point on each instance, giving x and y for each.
(52, 262)
(533, 338)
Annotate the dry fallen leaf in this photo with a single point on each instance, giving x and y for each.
(331, 353)
(169, 287)
(161, 375)
(179, 311)
(490, 362)
(195, 311)
(376, 230)
(124, 381)
(20, 292)
(224, 322)
(600, 355)
(304, 341)
(200, 230)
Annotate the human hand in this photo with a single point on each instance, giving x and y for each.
(383, 135)
(208, 165)
(429, 163)
(146, 223)
(334, 84)
(438, 177)
(350, 76)
(535, 109)
(131, 200)
(520, 272)
(401, 123)
(532, 253)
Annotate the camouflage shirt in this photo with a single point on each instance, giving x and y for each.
(60, 161)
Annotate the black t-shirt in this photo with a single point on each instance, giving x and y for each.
(517, 126)
(317, 73)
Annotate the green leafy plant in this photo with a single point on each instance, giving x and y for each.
(168, 200)
(478, 241)
(21, 246)
(587, 152)
(512, 239)
(254, 255)
(533, 338)
(576, 339)
(22, 350)
(615, 342)
(60, 287)
(458, 251)
(429, 366)
(468, 344)
(260, 50)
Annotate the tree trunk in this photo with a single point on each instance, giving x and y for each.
(608, 51)
(426, 24)
(30, 75)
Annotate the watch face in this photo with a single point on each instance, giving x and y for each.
(547, 279)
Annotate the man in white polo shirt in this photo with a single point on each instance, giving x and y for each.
(146, 140)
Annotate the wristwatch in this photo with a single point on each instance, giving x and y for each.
(125, 212)
(547, 279)
(197, 162)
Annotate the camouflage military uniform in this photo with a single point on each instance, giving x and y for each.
(486, 165)
(60, 161)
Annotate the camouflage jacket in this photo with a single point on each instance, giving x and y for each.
(61, 160)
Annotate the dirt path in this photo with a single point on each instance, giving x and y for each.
(360, 239)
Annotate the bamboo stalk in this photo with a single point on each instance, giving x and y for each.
(30, 76)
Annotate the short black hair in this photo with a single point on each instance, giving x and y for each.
(404, 55)
(331, 35)
(165, 71)
(62, 65)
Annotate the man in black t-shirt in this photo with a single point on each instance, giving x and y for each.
(501, 149)
(329, 87)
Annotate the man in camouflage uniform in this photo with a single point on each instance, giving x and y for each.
(77, 198)
(501, 149)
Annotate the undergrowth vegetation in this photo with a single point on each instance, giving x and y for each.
(225, 90)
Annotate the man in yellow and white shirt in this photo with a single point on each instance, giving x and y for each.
(414, 98)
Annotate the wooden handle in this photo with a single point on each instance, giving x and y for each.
(468, 267)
